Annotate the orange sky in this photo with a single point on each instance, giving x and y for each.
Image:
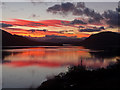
(52, 27)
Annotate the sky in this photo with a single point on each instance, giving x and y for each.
(70, 19)
(25, 10)
(59, 0)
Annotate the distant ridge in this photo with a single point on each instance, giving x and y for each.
(102, 40)
(15, 40)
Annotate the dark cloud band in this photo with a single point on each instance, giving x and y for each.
(89, 30)
(79, 9)
(3, 25)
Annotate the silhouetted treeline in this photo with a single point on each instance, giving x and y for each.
(81, 77)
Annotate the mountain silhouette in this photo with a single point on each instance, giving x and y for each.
(15, 40)
(102, 40)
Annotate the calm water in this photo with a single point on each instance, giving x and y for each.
(29, 67)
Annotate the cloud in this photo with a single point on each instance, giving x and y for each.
(112, 17)
(93, 29)
(91, 20)
(34, 30)
(54, 36)
(89, 30)
(101, 28)
(77, 22)
(77, 9)
(110, 27)
(43, 23)
(61, 9)
(34, 24)
(64, 8)
(109, 17)
(91, 13)
(20, 22)
(118, 9)
(16, 29)
(77, 12)
(81, 27)
(43, 33)
(3, 25)
(80, 5)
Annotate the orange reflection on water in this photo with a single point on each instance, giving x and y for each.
(48, 54)
(88, 63)
(54, 57)
(31, 63)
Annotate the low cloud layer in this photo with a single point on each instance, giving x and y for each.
(43, 23)
(3, 25)
(34, 30)
(89, 30)
(77, 22)
(94, 29)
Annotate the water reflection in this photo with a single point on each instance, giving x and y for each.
(32, 65)
(55, 57)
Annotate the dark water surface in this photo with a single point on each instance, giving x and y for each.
(29, 66)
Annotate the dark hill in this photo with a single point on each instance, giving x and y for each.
(15, 40)
(103, 40)
(79, 77)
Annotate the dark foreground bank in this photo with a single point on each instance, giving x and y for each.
(80, 77)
